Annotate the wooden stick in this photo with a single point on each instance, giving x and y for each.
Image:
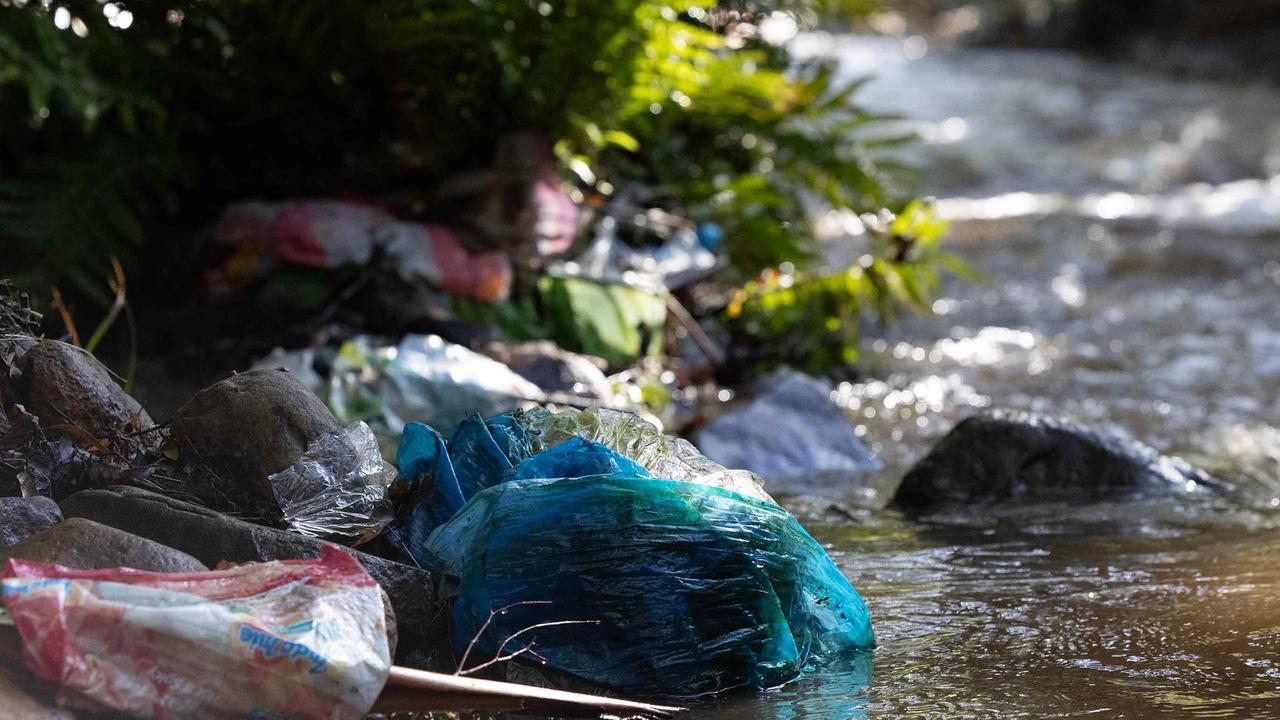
(410, 690)
(699, 336)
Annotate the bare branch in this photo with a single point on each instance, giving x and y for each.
(528, 648)
(489, 621)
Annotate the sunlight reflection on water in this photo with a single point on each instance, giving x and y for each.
(1131, 224)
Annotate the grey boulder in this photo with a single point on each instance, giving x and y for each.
(233, 435)
(65, 425)
(792, 435)
(68, 390)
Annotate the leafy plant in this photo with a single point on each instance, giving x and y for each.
(814, 322)
(112, 127)
(125, 126)
(726, 128)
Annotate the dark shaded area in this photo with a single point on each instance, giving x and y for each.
(1206, 38)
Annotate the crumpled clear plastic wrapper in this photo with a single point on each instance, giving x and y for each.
(338, 489)
(793, 435)
(663, 455)
(424, 378)
(298, 639)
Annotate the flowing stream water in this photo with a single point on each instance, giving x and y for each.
(1130, 222)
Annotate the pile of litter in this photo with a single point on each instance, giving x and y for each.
(675, 577)
(299, 639)
(572, 547)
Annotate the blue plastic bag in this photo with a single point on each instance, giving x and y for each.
(577, 557)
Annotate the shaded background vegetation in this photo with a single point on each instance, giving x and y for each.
(128, 124)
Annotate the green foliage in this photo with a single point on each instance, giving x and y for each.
(109, 132)
(729, 130)
(814, 322)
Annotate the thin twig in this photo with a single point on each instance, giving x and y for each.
(65, 312)
(502, 658)
(696, 333)
(117, 285)
(489, 621)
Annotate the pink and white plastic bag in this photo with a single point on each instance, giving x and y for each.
(332, 233)
(296, 639)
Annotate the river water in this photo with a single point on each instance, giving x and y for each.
(1130, 223)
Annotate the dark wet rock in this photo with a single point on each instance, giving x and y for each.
(69, 391)
(554, 369)
(65, 424)
(81, 543)
(1019, 457)
(21, 517)
(389, 613)
(793, 436)
(212, 538)
(239, 431)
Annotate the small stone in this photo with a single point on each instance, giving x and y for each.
(22, 517)
(73, 394)
(239, 431)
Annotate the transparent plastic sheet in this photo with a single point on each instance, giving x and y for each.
(628, 434)
(669, 587)
(302, 639)
(482, 453)
(793, 435)
(338, 489)
(424, 378)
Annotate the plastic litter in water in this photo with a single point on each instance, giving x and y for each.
(576, 556)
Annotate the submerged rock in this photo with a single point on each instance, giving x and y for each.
(1019, 457)
(213, 537)
(84, 544)
(22, 517)
(792, 435)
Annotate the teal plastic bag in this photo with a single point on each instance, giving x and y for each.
(576, 557)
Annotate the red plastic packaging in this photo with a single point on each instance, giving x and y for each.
(302, 639)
